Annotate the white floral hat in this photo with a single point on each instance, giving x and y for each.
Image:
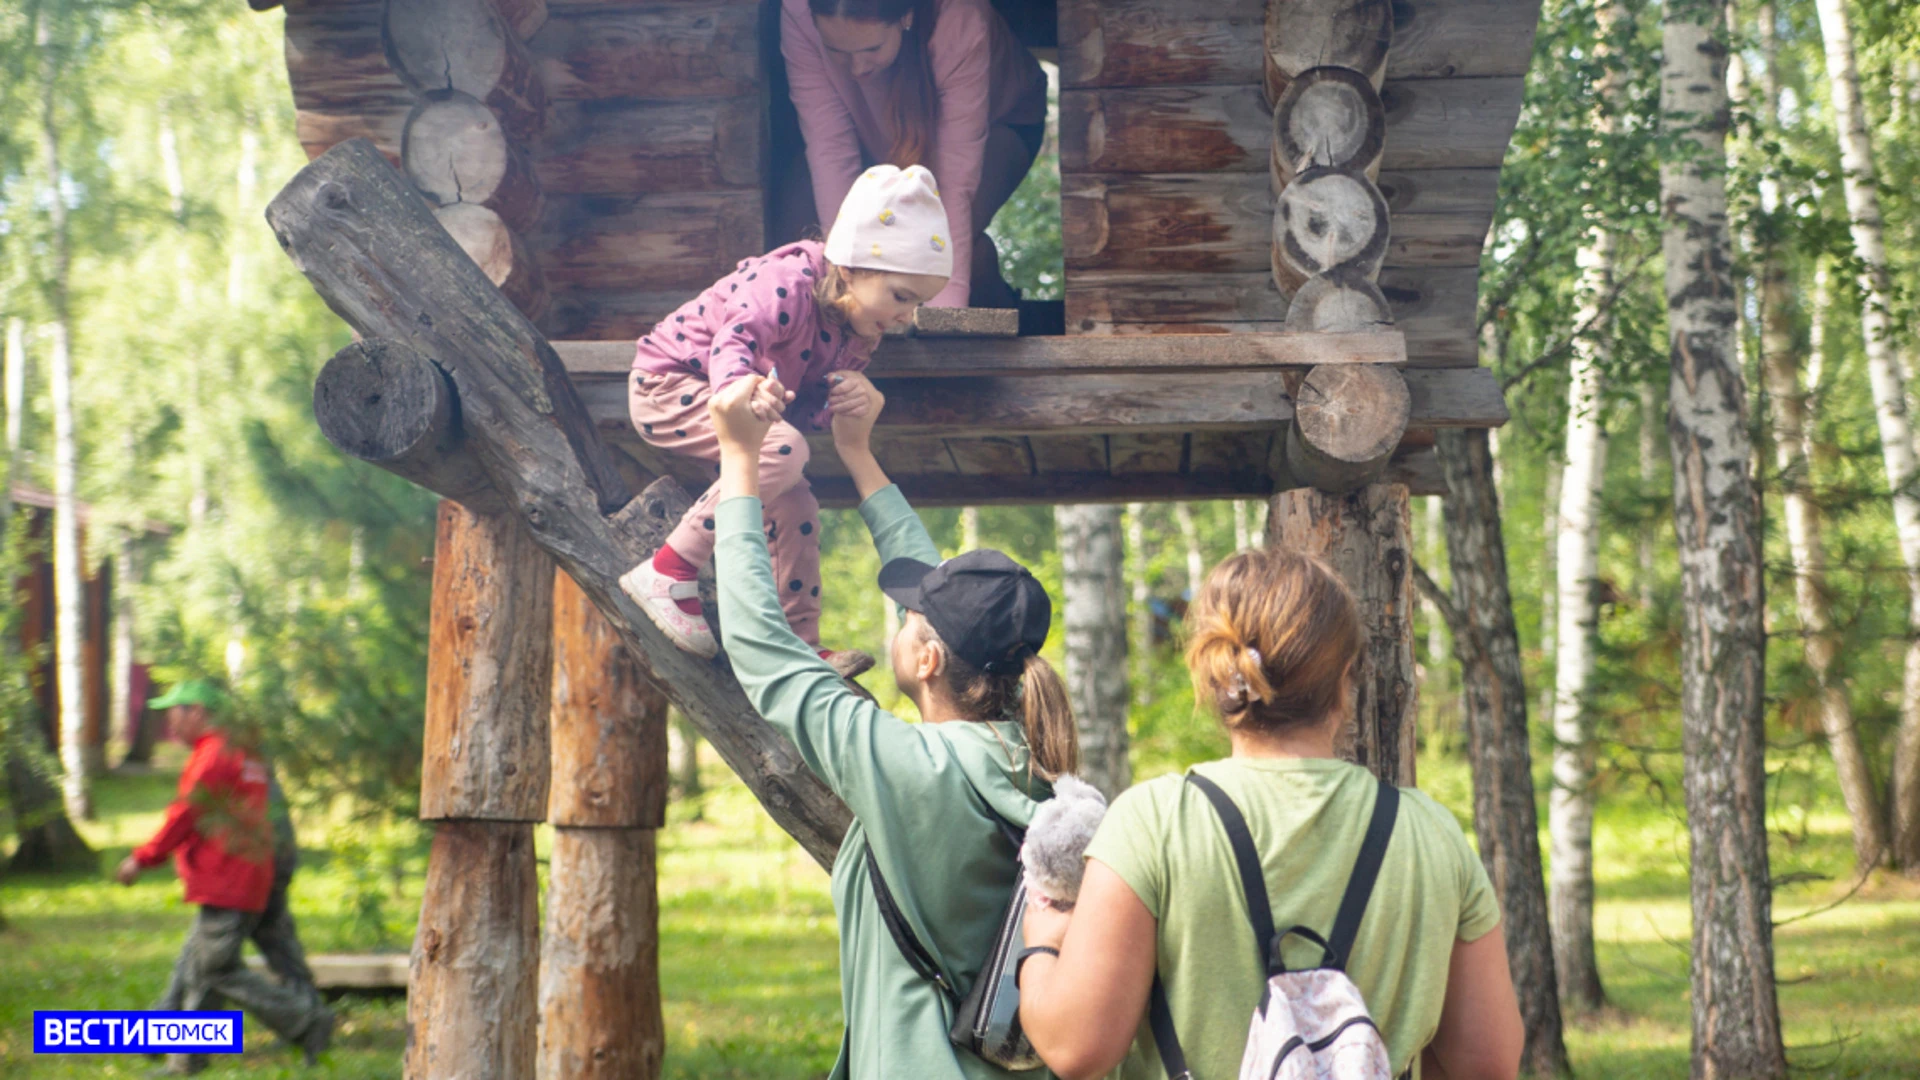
(893, 220)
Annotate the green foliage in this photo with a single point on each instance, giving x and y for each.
(1027, 228)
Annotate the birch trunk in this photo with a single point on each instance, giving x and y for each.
(1889, 399)
(16, 391)
(1094, 583)
(969, 528)
(1649, 477)
(1493, 695)
(1793, 455)
(1550, 577)
(1190, 535)
(1736, 1017)
(1570, 802)
(1140, 643)
(69, 605)
(1242, 535)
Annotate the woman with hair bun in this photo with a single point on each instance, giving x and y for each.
(939, 83)
(1275, 640)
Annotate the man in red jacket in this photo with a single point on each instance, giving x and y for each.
(222, 840)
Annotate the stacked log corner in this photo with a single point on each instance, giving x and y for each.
(600, 1015)
(1323, 66)
(473, 981)
(472, 1000)
(479, 102)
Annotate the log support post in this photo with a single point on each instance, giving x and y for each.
(472, 981)
(1365, 536)
(1324, 62)
(600, 962)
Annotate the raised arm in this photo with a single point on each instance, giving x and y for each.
(847, 741)
(898, 532)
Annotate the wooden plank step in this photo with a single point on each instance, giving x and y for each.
(951, 357)
(352, 971)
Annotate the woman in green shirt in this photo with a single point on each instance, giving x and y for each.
(996, 729)
(1275, 636)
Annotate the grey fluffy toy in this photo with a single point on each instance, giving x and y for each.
(1055, 852)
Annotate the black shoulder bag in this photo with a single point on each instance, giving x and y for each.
(987, 1021)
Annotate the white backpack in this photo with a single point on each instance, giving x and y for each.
(1312, 1024)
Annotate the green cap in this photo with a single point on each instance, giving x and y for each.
(190, 692)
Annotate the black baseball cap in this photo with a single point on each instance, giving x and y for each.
(989, 610)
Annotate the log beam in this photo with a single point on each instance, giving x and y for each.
(953, 357)
(1305, 34)
(455, 150)
(465, 45)
(1347, 423)
(372, 250)
(383, 403)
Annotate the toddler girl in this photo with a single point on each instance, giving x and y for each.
(808, 314)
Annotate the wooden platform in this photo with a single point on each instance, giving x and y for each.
(353, 971)
(1082, 418)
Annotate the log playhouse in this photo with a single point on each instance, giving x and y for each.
(1273, 213)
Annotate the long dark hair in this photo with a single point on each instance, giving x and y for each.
(914, 102)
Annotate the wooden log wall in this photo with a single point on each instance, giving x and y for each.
(636, 182)
(1166, 160)
(600, 1013)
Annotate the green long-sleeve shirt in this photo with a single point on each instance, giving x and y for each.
(916, 793)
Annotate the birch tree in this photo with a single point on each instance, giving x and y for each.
(1885, 370)
(1570, 802)
(1140, 640)
(68, 588)
(1793, 455)
(1736, 1016)
(1093, 570)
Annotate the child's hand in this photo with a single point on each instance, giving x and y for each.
(855, 403)
(744, 410)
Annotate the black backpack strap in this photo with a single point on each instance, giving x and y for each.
(1253, 880)
(915, 954)
(1366, 870)
(1165, 1039)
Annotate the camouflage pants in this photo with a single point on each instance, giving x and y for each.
(209, 973)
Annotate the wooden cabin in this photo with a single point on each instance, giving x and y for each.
(1273, 213)
(633, 165)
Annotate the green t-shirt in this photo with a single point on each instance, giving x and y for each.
(1307, 816)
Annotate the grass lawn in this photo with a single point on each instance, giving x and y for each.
(750, 973)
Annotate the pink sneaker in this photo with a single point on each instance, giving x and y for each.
(656, 593)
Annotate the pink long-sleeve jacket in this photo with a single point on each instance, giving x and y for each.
(984, 77)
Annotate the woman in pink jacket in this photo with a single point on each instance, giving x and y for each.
(939, 83)
(808, 315)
